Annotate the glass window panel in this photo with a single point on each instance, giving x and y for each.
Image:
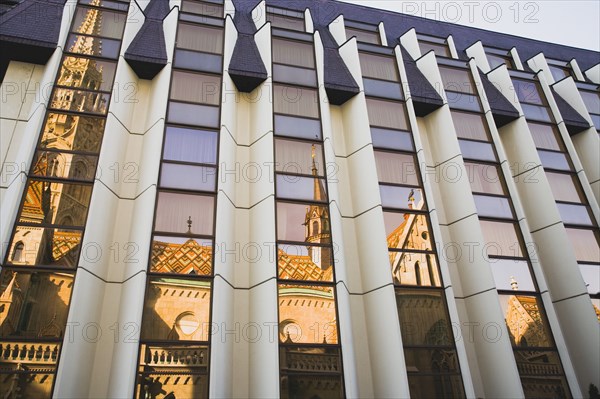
(63, 204)
(484, 178)
(194, 87)
(496, 60)
(585, 244)
(286, 22)
(574, 214)
(409, 268)
(201, 19)
(89, 45)
(554, 160)
(435, 386)
(176, 310)
(307, 314)
(310, 263)
(45, 247)
(463, 101)
(294, 53)
(545, 136)
(297, 157)
(72, 132)
(387, 114)
(80, 101)
(477, 150)
(378, 67)
(541, 374)
(396, 168)
(293, 75)
(200, 38)
(591, 277)
(526, 321)
(301, 188)
(311, 372)
(190, 145)
(296, 101)
(591, 100)
(107, 23)
(407, 231)
(498, 207)
(35, 383)
(363, 35)
(559, 73)
(596, 121)
(39, 305)
(470, 126)
(303, 222)
(115, 5)
(181, 255)
(423, 317)
(297, 127)
(392, 139)
(64, 165)
(537, 113)
(171, 383)
(198, 61)
(528, 91)
(174, 211)
(501, 239)
(564, 187)
(323, 385)
(402, 197)
(177, 370)
(188, 177)
(512, 275)
(203, 8)
(457, 80)
(438, 48)
(381, 88)
(193, 114)
(420, 360)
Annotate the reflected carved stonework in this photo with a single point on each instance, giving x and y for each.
(174, 372)
(34, 305)
(525, 323)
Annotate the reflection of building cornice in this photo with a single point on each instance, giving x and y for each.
(301, 361)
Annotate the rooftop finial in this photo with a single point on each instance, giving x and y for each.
(189, 223)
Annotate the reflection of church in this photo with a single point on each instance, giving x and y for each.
(63, 204)
(412, 234)
(541, 371)
(32, 306)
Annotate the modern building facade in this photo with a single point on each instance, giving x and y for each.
(306, 199)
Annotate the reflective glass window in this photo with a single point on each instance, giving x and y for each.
(305, 262)
(396, 168)
(303, 222)
(45, 247)
(501, 239)
(176, 310)
(200, 38)
(174, 211)
(63, 204)
(39, 305)
(72, 132)
(307, 314)
(181, 255)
